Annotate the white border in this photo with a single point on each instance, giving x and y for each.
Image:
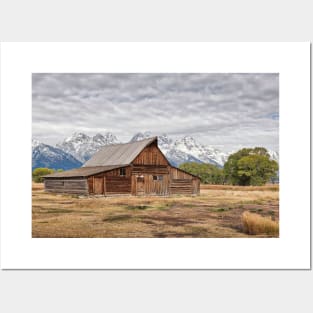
(290, 251)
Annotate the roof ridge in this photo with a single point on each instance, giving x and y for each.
(119, 153)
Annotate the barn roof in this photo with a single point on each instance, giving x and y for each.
(83, 171)
(122, 154)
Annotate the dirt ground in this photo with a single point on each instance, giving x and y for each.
(216, 213)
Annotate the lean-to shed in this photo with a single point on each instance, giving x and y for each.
(135, 168)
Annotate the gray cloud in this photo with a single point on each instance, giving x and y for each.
(224, 110)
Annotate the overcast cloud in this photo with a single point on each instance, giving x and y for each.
(228, 111)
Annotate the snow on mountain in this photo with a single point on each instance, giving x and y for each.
(177, 157)
(82, 146)
(186, 149)
(166, 144)
(35, 143)
(205, 154)
(140, 136)
(47, 156)
(274, 155)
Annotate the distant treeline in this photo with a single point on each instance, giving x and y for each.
(246, 167)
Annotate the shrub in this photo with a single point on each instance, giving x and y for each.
(39, 172)
(255, 224)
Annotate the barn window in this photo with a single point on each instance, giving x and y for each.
(157, 177)
(123, 171)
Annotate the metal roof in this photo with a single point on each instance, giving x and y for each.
(83, 171)
(121, 154)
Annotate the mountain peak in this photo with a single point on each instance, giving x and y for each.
(44, 155)
(77, 136)
(188, 139)
(140, 136)
(35, 143)
(82, 146)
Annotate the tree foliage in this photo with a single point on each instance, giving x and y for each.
(39, 172)
(208, 173)
(250, 167)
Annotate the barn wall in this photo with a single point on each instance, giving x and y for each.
(150, 169)
(112, 182)
(71, 186)
(178, 174)
(151, 187)
(196, 186)
(156, 187)
(116, 184)
(183, 183)
(181, 186)
(151, 155)
(116, 172)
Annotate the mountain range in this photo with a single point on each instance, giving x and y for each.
(75, 150)
(47, 156)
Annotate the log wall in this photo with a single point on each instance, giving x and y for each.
(181, 186)
(71, 186)
(183, 183)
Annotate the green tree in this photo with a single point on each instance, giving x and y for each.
(250, 167)
(208, 173)
(39, 172)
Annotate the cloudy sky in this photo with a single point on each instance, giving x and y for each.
(228, 111)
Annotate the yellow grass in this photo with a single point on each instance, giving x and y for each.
(215, 213)
(255, 224)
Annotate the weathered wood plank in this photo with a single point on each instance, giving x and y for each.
(151, 155)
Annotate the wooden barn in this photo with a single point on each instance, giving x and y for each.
(135, 168)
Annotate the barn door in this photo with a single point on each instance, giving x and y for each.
(140, 185)
(98, 185)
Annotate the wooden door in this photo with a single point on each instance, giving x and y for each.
(140, 185)
(98, 185)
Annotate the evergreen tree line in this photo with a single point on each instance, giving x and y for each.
(246, 167)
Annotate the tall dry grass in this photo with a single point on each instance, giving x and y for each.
(269, 187)
(255, 224)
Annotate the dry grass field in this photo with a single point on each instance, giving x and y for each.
(219, 212)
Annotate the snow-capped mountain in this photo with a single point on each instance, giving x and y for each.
(140, 136)
(274, 155)
(205, 154)
(82, 146)
(164, 142)
(177, 157)
(186, 149)
(47, 156)
(79, 147)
